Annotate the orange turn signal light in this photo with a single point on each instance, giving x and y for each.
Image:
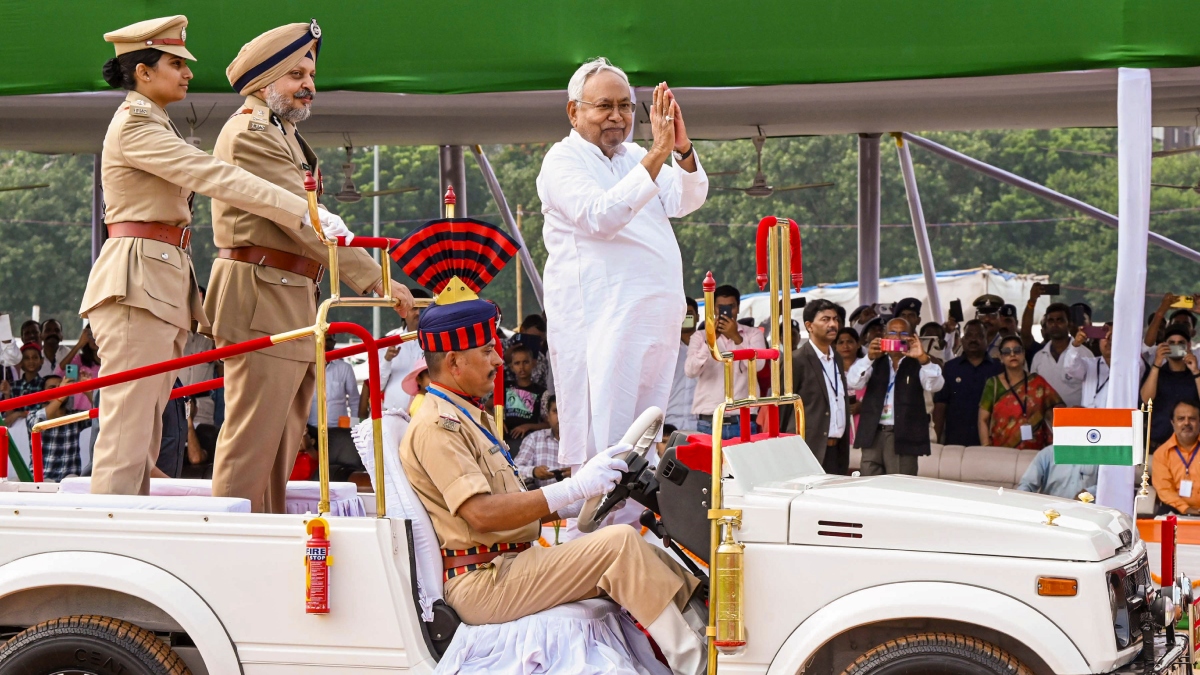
(1057, 586)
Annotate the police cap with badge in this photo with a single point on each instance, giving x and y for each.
(166, 34)
(272, 55)
(988, 303)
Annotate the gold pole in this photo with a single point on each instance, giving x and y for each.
(773, 275)
(718, 427)
(81, 416)
(785, 256)
(322, 411)
(520, 308)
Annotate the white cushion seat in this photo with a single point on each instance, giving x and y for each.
(302, 496)
(126, 502)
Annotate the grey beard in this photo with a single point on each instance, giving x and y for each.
(281, 105)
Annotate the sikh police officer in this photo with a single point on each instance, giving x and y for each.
(263, 280)
(141, 296)
(485, 520)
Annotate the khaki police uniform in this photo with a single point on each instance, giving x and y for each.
(268, 393)
(448, 460)
(141, 298)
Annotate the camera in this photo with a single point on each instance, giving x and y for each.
(892, 345)
(725, 311)
(1177, 351)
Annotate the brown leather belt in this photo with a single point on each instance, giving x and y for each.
(450, 562)
(280, 260)
(167, 234)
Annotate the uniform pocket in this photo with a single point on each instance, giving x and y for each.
(285, 301)
(164, 276)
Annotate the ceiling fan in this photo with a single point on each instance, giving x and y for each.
(14, 188)
(1194, 188)
(759, 187)
(350, 194)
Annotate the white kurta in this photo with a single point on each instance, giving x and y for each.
(613, 286)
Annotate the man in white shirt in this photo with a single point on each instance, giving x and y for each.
(893, 425)
(613, 261)
(683, 388)
(396, 362)
(1049, 363)
(341, 391)
(1092, 371)
(710, 373)
(53, 350)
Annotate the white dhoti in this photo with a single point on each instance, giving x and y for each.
(613, 287)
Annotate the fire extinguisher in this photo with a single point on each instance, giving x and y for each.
(317, 560)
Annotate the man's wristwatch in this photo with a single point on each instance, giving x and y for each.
(680, 156)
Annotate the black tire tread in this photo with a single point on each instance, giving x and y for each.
(152, 652)
(924, 643)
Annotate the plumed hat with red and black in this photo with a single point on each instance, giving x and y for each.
(455, 258)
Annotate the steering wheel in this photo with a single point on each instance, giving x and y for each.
(641, 436)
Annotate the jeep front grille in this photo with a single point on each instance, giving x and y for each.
(1127, 592)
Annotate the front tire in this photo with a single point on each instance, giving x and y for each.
(936, 654)
(91, 645)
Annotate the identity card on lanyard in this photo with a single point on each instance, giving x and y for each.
(1185, 485)
(497, 446)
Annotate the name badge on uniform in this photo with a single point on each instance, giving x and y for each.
(255, 126)
(1026, 432)
(139, 108)
(449, 423)
(1185, 489)
(494, 449)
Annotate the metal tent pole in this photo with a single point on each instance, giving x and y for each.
(1134, 145)
(868, 218)
(454, 172)
(99, 232)
(1045, 192)
(530, 270)
(919, 230)
(375, 328)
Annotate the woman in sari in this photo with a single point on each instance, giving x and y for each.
(1016, 408)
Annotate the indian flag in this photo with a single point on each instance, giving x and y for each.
(1097, 436)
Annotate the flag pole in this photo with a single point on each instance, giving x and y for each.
(1145, 491)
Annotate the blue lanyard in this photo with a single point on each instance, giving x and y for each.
(1187, 463)
(490, 437)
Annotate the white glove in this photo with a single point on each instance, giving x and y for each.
(597, 477)
(332, 226)
(571, 510)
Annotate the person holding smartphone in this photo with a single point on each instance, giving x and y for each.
(683, 388)
(893, 426)
(1173, 377)
(710, 373)
(1093, 370)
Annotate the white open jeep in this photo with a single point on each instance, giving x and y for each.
(876, 575)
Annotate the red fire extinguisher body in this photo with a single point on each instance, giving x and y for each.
(317, 560)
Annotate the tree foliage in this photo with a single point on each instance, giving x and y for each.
(974, 220)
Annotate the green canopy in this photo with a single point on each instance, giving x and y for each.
(459, 46)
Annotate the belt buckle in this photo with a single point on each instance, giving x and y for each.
(320, 273)
(185, 237)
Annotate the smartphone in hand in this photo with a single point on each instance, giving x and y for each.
(1051, 289)
(72, 371)
(1095, 332)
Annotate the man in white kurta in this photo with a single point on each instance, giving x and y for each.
(614, 277)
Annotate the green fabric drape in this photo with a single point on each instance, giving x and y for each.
(460, 46)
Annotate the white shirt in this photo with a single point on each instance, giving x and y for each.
(341, 393)
(1068, 386)
(930, 377)
(10, 353)
(833, 392)
(612, 262)
(392, 373)
(48, 367)
(1093, 372)
(683, 389)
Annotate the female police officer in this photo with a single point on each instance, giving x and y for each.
(141, 297)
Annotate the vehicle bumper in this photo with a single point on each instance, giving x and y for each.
(1171, 659)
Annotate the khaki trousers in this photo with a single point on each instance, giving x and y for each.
(614, 560)
(267, 401)
(881, 457)
(131, 413)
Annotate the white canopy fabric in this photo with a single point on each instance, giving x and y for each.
(77, 122)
